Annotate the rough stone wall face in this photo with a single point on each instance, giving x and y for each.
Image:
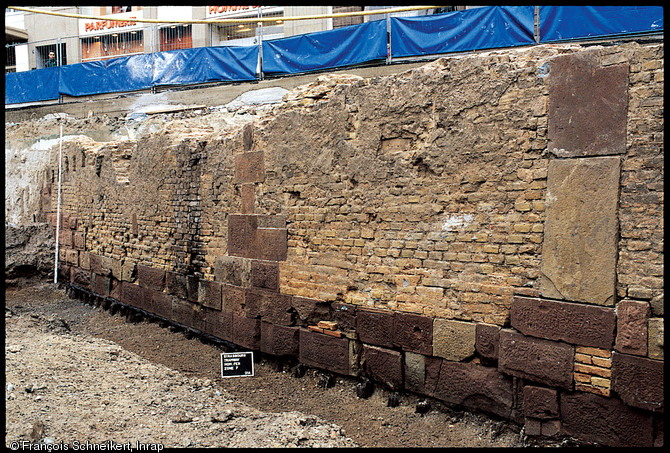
(494, 218)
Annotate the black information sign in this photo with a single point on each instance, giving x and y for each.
(235, 364)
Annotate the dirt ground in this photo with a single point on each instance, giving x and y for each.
(76, 373)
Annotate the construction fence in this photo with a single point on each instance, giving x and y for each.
(374, 42)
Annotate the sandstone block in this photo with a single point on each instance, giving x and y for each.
(656, 338)
(273, 307)
(536, 360)
(573, 323)
(249, 168)
(161, 304)
(85, 260)
(65, 238)
(72, 257)
(128, 271)
(375, 327)
(176, 284)
(453, 340)
(310, 311)
(233, 299)
(605, 420)
(81, 277)
(384, 365)
(415, 372)
(632, 319)
(232, 270)
(131, 293)
(587, 106)
(413, 332)
(271, 244)
(344, 315)
(79, 240)
(540, 402)
(265, 274)
(102, 286)
(248, 196)
(150, 277)
(63, 272)
(638, 381)
(242, 235)
(280, 340)
(209, 294)
(488, 338)
(184, 312)
(325, 352)
(581, 230)
(473, 386)
(247, 332)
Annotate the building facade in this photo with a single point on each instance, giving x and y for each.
(77, 40)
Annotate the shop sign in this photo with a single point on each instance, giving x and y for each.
(229, 10)
(120, 22)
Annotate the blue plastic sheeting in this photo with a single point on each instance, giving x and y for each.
(31, 86)
(109, 76)
(459, 31)
(344, 46)
(559, 23)
(205, 64)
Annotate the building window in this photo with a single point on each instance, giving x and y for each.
(112, 45)
(176, 37)
(344, 21)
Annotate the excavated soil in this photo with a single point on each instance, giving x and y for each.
(77, 373)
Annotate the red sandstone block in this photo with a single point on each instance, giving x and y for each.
(102, 285)
(632, 318)
(79, 240)
(470, 385)
(577, 130)
(209, 294)
(384, 365)
(72, 257)
(80, 277)
(638, 381)
(246, 332)
(543, 361)
(271, 244)
(150, 277)
(132, 294)
(248, 195)
(487, 340)
(65, 238)
(72, 223)
(605, 420)
(375, 327)
(280, 340)
(233, 299)
(95, 262)
(413, 332)
(161, 304)
(249, 168)
(184, 312)
(273, 307)
(265, 274)
(344, 315)
(63, 272)
(325, 352)
(176, 284)
(242, 235)
(540, 402)
(310, 311)
(574, 323)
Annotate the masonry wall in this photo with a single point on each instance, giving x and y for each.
(486, 230)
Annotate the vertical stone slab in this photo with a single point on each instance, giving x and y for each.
(249, 168)
(587, 106)
(638, 381)
(632, 320)
(242, 235)
(580, 232)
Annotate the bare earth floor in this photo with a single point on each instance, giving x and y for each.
(76, 373)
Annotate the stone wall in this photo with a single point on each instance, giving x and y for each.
(485, 230)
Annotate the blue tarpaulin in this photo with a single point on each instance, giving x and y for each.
(31, 86)
(458, 31)
(344, 46)
(559, 23)
(205, 64)
(108, 76)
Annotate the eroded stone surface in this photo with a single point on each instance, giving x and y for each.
(580, 232)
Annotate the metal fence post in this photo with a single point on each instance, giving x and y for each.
(260, 44)
(536, 30)
(388, 39)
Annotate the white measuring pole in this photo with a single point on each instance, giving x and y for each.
(60, 165)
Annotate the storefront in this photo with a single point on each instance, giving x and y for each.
(119, 35)
(245, 34)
